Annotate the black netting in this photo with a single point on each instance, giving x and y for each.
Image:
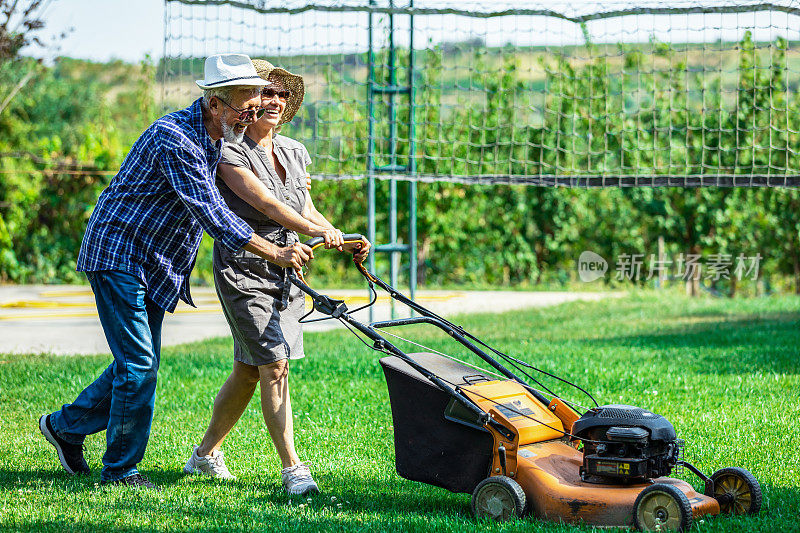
(550, 93)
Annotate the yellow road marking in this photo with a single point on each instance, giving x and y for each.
(48, 315)
(86, 314)
(57, 294)
(43, 304)
(213, 306)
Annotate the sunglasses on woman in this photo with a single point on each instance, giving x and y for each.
(269, 94)
(246, 115)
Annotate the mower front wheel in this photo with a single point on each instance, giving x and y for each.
(499, 498)
(737, 491)
(662, 507)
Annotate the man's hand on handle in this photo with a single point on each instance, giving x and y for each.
(294, 256)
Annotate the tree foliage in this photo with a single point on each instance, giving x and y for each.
(60, 141)
(78, 119)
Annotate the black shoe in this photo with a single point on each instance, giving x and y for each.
(70, 455)
(135, 481)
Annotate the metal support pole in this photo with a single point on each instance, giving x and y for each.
(371, 151)
(376, 89)
(393, 256)
(412, 164)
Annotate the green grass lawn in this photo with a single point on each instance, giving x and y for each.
(724, 372)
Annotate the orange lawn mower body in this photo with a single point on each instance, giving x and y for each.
(520, 451)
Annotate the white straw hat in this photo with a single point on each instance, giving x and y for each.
(222, 70)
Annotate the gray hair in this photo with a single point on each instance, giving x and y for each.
(226, 93)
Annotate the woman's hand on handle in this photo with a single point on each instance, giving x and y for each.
(334, 238)
(363, 251)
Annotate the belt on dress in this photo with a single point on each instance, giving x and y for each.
(286, 284)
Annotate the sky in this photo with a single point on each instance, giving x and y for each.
(105, 29)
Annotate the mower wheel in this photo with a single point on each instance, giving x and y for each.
(737, 491)
(662, 507)
(499, 498)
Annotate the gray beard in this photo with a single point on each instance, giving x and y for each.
(230, 136)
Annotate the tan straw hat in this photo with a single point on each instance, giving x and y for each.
(292, 82)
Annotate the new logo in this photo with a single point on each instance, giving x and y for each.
(591, 266)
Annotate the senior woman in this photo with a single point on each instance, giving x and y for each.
(263, 180)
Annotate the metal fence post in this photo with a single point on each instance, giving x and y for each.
(391, 88)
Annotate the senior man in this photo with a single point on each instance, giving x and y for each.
(138, 252)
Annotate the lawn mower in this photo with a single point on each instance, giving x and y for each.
(522, 449)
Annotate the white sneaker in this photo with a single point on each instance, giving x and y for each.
(210, 465)
(297, 479)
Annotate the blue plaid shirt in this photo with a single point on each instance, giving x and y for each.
(150, 219)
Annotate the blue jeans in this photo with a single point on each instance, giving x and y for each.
(121, 400)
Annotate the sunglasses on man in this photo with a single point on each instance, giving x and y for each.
(269, 94)
(246, 115)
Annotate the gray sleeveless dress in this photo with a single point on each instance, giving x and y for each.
(260, 304)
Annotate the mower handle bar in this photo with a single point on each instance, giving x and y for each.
(349, 238)
(336, 308)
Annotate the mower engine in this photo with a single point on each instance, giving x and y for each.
(626, 444)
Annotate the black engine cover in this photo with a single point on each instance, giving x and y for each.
(608, 416)
(624, 443)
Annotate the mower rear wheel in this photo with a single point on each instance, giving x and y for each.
(499, 498)
(662, 507)
(737, 491)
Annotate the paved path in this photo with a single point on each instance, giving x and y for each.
(62, 319)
